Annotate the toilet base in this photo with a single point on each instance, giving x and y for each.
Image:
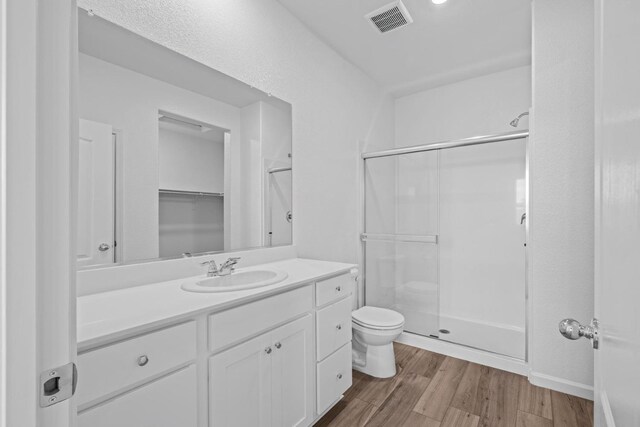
(380, 361)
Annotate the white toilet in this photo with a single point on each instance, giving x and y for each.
(374, 330)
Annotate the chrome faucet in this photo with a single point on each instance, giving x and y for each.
(225, 269)
(228, 267)
(212, 271)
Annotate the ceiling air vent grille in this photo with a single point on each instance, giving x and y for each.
(390, 17)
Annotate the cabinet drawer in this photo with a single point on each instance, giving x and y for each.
(167, 402)
(333, 289)
(108, 369)
(334, 377)
(236, 324)
(333, 327)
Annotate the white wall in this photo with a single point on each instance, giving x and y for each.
(562, 191)
(130, 102)
(190, 224)
(248, 194)
(481, 106)
(191, 162)
(262, 44)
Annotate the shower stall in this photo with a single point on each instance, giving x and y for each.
(444, 239)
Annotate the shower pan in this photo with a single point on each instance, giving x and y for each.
(443, 240)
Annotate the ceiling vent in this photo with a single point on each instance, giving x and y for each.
(390, 17)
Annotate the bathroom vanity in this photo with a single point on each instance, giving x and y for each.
(158, 355)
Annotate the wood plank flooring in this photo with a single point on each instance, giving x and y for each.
(432, 390)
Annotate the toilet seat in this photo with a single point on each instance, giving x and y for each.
(377, 318)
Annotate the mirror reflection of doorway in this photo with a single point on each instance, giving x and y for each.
(96, 194)
(279, 210)
(191, 168)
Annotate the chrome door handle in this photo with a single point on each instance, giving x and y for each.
(268, 350)
(278, 345)
(523, 218)
(573, 330)
(104, 247)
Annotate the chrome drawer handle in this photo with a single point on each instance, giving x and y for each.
(338, 326)
(338, 288)
(268, 350)
(339, 376)
(143, 360)
(278, 345)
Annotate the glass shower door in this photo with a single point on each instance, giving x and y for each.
(482, 254)
(401, 251)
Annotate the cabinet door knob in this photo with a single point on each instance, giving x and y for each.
(338, 288)
(268, 350)
(278, 345)
(338, 326)
(339, 376)
(143, 360)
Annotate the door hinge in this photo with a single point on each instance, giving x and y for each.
(58, 384)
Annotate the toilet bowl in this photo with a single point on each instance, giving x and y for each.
(374, 330)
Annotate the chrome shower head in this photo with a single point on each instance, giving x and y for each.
(515, 121)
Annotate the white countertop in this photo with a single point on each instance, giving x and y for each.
(118, 314)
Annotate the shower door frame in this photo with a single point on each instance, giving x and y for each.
(443, 145)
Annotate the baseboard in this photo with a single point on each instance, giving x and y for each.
(474, 355)
(559, 384)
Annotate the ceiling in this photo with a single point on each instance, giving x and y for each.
(457, 40)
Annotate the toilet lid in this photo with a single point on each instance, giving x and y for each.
(377, 317)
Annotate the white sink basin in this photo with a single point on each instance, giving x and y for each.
(237, 281)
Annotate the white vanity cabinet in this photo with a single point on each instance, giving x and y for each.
(333, 337)
(146, 381)
(167, 402)
(279, 360)
(265, 381)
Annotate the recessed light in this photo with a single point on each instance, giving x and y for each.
(438, 1)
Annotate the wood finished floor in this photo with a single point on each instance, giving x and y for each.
(432, 390)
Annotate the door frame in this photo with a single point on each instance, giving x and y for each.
(38, 127)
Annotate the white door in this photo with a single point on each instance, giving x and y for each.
(240, 385)
(292, 398)
(617, 222)
(96, 194)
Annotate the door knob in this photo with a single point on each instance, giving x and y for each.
(104, 247)
(573, 330)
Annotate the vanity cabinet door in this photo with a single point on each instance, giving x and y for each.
(166, 402)
(293, 374)
(240, 385)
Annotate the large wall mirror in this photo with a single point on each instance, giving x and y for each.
(176, 158)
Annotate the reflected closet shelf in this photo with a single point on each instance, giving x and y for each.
(190, 193)
(400, 238)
